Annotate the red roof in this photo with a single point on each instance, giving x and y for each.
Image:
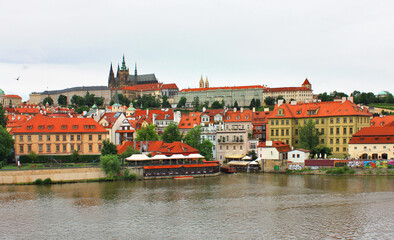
(306, 82)
(287, 89)
(170, 148)
(110, 117)
(238, 116)
(260, 117)
(148, 87)
(12, 96)
(279, 145)
(318, 109)
(188, 120)
(41, 124)
(382, 121)
(122, 148)
(374, 135)
(169, 86)
(223, 88)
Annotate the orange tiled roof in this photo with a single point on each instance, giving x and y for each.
(260, 117)
(306, 82)
(170, 148)
(279, 145)
(148, 87)
(319, 109)
(222, 88)
(382, 121)
(245, 116)
(41, 124)
(371, 135)
(189, 120)
(12, 96)
(111, 118)
(169, 86)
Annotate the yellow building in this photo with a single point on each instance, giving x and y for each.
(337, 121)
(59, 136)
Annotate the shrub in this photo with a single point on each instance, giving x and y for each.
(47, 181)
(352, 171)
(38, 181)
(111, 165)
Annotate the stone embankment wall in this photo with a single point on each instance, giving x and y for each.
(269, 165)
(63, 174)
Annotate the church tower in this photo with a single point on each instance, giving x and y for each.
(307, 84)
(201, 82)
(206, 82)
(123, 74)
(111, 77)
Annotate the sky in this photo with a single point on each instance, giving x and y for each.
(337, 44)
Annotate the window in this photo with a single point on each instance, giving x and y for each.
(287, 122)
(90, 147)
(272, 132)
(344, 130)
(337, 140)
(57, 138)
(64, 126)
(39, 147)
(350, 130)
(220, 147)
(282, 122)
(272, 122)
(322, 131)
(331, 120)
(277, 122)
(64, 137)
(79, 147)
(90, 137)
(72, 147)
(331, 140)
(337, 149)
(75, 126)
(277, 132)
(57, 148)
(99, 147)
(71, 137)
(48, 147)
(344, 120)
(344, 149)
(331, 131)
(337, 130)
(317, 121)
(338, 120)
(296, 131)
(29, 138)
(99, 137)
(28, 148)
(287, 132)
(21, 138)
(282, 132)
(40, 138)
(48, 137)
(351, 120)
(240, 147)
(64, 148)
(344, 140)
(322, 141)
(296, 121)
(322, 121)
(226, 147)
(21, 148)
(234, 148)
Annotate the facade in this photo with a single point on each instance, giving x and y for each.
(260, 125)
(273, 150)
(298, 155)
(337, 121)
(301, 94)
(189, 121)
(242, 94)
(10, 100)
(98, 91)
(231, 145)
(373, 143)
(58, 136)
(124, 78)
(112, 122)
(241, 119)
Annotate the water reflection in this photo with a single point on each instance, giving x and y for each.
(240, 206)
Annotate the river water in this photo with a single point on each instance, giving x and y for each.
(238, 206)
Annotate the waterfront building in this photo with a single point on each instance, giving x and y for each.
(231, 144)
(242, 119)
(59, 136)
(337, 121)
(260, 125)
(301, 94)
(273, 150)
(373, 143)
(211, 122)
(242, 94)
(159, 117)
(298, 155)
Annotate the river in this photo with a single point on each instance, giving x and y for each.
(238, 206)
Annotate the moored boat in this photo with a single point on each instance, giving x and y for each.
(227, 169)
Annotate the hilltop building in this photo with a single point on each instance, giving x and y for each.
(9, 101)
(301, 94)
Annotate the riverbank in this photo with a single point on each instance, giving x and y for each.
(344, 171)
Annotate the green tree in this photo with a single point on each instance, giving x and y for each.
(252, 103)
(80, 109)
(129, 151)
(196, 104)
(205, 104)
(99, 101)
(75, 157)
(48, 100)
(258, 103)
(324, 97)
(6, 143)
(110, 164)
(181, 103)
(321, 150)
(236, 104)
(62, 100)
(77, 100)
(108, 148)
(280, 97)
(193, 137)
(252, 154)
(89, 99)
(149, 133)
(217, 105)
(171, 133)
(33, 156)
(205, 149)
(269, 101)
(3, 117)
(309, 136)
(165, 103)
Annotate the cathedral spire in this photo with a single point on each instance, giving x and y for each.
(206, 82)
(201, 82)
(111, 76)
(135, 70)
(123, 68)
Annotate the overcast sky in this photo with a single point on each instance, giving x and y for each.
(338, 45)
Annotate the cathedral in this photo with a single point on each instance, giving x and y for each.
(123, 77)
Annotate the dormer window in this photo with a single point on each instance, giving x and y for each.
(64, 126)
(247, 117)
(280, 111)
(86, 126)
(29, 127)
(50, 127)
(75, 126)
(41, 127)
(92, 127)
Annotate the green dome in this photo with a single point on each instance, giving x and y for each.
(2, 92)
(383, 93)
(94, 106)
(116, 105)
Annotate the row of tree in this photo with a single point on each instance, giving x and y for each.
(358, 97)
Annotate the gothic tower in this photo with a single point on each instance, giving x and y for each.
(206, 82)
(307, 84)
(111, 77)
(201, 82)
(123, 74)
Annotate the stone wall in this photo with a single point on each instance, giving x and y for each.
(269, 165)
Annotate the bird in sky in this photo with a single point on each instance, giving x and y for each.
(18, 78)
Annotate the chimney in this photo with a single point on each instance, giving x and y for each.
(242, 109)
(268, 143)
(254, 109)
(350, 99)
(343, 99)
(280, 102)
(293, 103)
(266, 109)
(204, 109)
(235, 109)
